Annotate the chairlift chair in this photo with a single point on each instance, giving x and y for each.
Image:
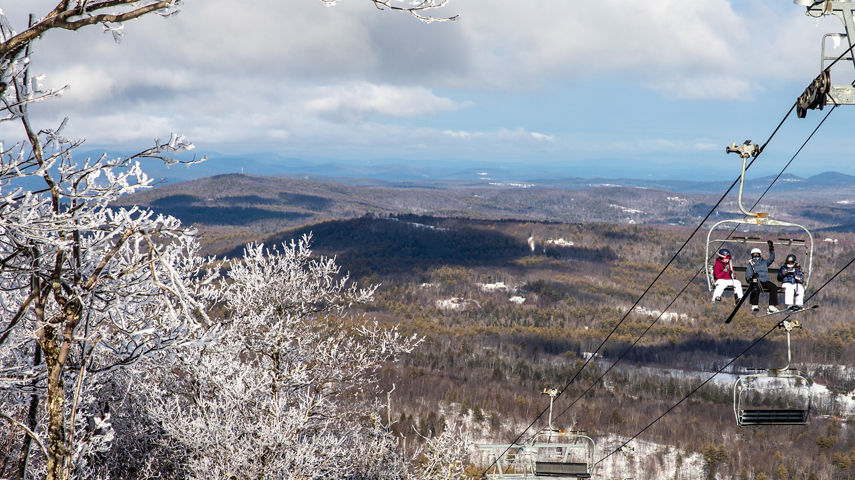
(563, 455)
(773, 397)
(552, 453)
(757, 222)
(556, 455)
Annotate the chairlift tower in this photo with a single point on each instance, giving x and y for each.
(842, 93)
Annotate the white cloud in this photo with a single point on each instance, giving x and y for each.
(542, 137)
(349, 78)
(85, 85)
(659, 145)
(358, 99)
(459, 134)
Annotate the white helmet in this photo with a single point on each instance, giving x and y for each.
(757, 251)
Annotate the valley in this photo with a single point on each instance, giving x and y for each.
(513, 288)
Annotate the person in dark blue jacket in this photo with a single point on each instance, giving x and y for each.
(758, 271)
(792, 279)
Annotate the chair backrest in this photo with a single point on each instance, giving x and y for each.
(773, 417)
(561, 469)
(739, 273)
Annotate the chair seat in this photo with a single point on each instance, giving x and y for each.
(561, 469)
(773, 417)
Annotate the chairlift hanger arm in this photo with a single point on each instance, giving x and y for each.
(821, 91)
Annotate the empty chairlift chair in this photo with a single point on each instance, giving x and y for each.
(773, 397)
(563, 455)
(552, 454)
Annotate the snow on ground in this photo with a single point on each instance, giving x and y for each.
(495, 287)
(559, 242)
(667, 316)
(456, 303)
(513, 184)
(501, 287)
(421, 225)
(625, 209)
(648, 460)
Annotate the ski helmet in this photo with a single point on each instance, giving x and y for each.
(756, 251)
(724, 253)
(790, 259)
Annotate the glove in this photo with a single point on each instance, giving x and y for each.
(771, 245)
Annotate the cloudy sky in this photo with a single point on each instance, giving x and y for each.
(612, 87)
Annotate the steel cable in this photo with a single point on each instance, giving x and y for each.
(725, 366)
(661, 272)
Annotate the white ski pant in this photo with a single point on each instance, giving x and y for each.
(723, 283)
(794, 289)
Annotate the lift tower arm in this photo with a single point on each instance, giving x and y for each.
(835, 94)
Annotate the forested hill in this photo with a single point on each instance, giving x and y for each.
(512, 288)
(409, 244)
(502, 321)
(236, 208)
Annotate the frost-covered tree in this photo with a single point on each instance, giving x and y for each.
(84, 289)
(288, 391)
(443, 457)
(87, 290)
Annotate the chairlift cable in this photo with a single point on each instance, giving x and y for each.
(573, 378)
(649, 287)
(725, 366)
(659, 275)
(695, 276)
(792, 158)
(626, 351)
(691, 280)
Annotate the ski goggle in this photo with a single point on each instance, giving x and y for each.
(756, 255)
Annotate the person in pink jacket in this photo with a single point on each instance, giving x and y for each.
(723, 275)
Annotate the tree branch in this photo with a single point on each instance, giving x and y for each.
(62, 17)
(27, 430)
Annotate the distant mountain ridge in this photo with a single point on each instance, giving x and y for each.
(444, 174)
(235, 208)
(820, 183)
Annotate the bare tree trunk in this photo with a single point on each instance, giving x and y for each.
(56, 355)
(55, 399)
(31, 422)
